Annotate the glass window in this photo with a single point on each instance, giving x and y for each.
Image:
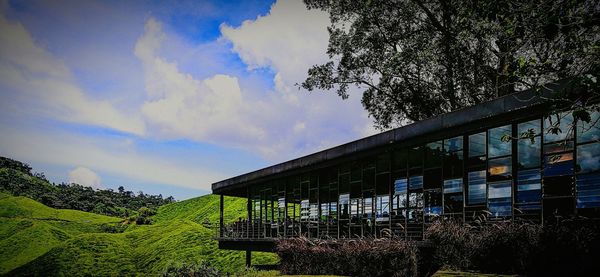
(453, 144)
(383, 208)
(499, 199)
(433, 154)
(529, 189)
(400, 185)
(500, 169)
(344, 205)
(433, 203)
(453, 164)
(332, 210)
(476, 187)
(355, 207)
(558, 164)
(529, 151)
(558, 127)
(415, 182)
(477, 145)
(314, 212)
(497, 147)
(415, 157)
(304, 210)
(588, 191)
(368, 212)
(587, 132)
(415, 199)
(588, 157)
(453, 185)
(324, 211)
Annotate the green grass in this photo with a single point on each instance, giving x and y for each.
(39, 240)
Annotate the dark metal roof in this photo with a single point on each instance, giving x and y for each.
(519, 101)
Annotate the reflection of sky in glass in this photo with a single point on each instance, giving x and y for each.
(496, 146)
(477, 187)
(477, 145)
(453, 144)
(499, 190)
(528, 152)
(564, 120)
(586, 131)
(588, 157)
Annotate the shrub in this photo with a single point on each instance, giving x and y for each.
(361, 257)
(453, 244)
(564, 248)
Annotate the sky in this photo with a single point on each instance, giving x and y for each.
(165, 97)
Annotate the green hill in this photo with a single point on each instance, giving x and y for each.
(38, 240)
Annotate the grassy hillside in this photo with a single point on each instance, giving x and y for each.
(38, 240)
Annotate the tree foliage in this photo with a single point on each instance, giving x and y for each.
(414, 59)
(16, 178)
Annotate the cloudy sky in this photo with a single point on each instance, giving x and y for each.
(163, 97)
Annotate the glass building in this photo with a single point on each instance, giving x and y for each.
(499, 160)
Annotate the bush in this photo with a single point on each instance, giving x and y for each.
(191, 270)
(565, 248)
(453, 244)
(361, 257)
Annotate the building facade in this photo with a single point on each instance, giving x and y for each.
(501, 160)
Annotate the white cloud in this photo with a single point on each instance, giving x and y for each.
(85, 177)
(278, 124)
(114, 156)
(34, 82)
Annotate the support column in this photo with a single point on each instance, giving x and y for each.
(221, 216)
(249, 207)
(248, 258)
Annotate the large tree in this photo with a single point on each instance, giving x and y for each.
(413, 59)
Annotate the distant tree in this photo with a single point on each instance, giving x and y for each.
(414, 59)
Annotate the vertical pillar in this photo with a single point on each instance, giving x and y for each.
(221, 216)
(248, 258)
(249, 207)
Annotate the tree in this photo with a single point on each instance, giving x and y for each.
(414, 59)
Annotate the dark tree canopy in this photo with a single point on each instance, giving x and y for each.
(414, 59)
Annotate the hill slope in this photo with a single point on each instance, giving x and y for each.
(38, 240)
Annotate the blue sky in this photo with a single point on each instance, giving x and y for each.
(164, 97)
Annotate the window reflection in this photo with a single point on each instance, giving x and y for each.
(500, 169)
(499, 199)
(588, 191)
(561, 124)
(588, 157)
(587, 132)
(496, 146)
(529, 151)
(477, 145)
(476, 187)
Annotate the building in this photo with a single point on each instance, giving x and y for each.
(469, 165)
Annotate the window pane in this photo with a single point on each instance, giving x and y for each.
(477, 145)
(500, 169)
(529, 189)
(415, 157)
(589, 131)
(400, 185)
(433, 204)
(476, 187)
(499, 198)
(415, 182)
(558, 164)
(588, 157)
(529, 151)
(496, 146)
(453, 164)
(563, 121)
(588, 191)
(383, 208)
(415, 199)
(304, 210)
(453, 144)
(433, 154)
(453, 185)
